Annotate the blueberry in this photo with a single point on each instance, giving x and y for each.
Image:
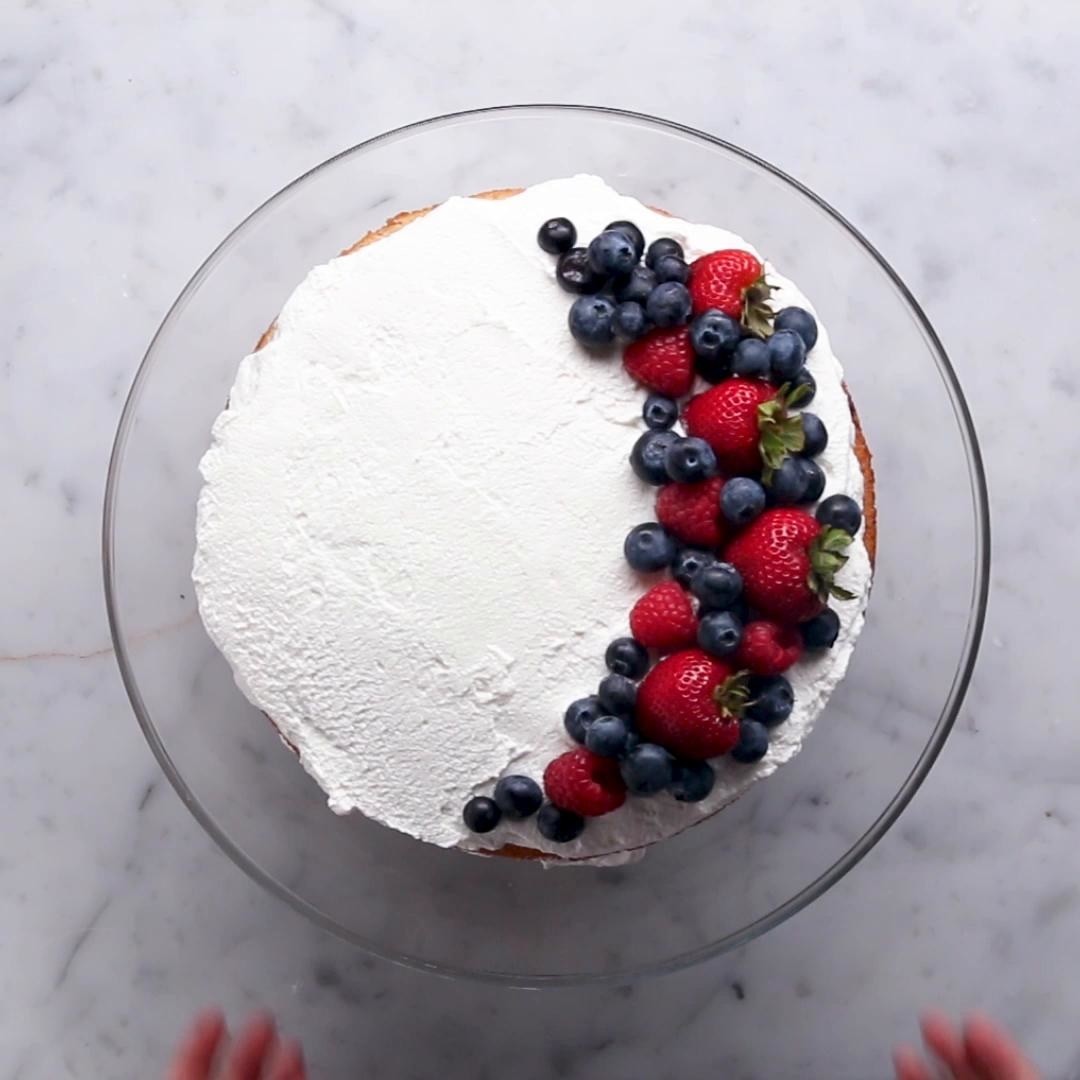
(814, 480)
(592, 321)
(637, 286)
(647, 769)
(771, 699)
(804, 378)
(610, 736)
(821, 631)
(649, 547)
(689, 460)
(815, 434)
(647, 457)
(741, 500)
(518, 796)
(840, 512)
(574, 273)
(753, 742)
(630, 321)
(717, 586)
(800, 321)
(617, 694)
(719, 633)
(692, 781)
(661, 247)
(557, 235)
(660, 412)
(671, 268)
(580, 715)
(788, 484)
(481, 814)
(631, 232)
(669, 304)
(688, 562)
(625, 656)
(751, 359)
(714, 334)
(558, 825)
(612, 254)
(787, 354)
(715, 370)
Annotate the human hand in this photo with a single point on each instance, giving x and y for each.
(255, 1054)
(981, 1051)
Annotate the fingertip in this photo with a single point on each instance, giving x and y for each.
(908, 1065)
(289, 1063)
(988, 1044)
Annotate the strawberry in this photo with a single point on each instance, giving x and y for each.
(788, 562)
(768, 649)
(690, 703)
(585, 783)
(732, 280)
(747, 424)
(662, 360)
(691, 512)
(664, 618)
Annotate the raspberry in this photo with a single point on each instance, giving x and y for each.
(584, 783)
(664, 618)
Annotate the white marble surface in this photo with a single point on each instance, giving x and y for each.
(132, 136)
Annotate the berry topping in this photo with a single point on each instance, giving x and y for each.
(717, 586)
(557, 235)
(733, 281)
(753, 742)
(747, 423)
(631, 232)
(584, 783)
(771, 699)
(574, 273)
(664, 619)
(662, 361)
(481, 814)
(558, 825)
(691, 512)
(815, 435)
(630, 321)
(690, 460)
(668, 304)
(768, 649)
(592, 321)
(518, 796)
(671, 268)
(714, 335)
(661, 247)
(751, 359)
(720, 633)
(689, 561)
(617, 695)
(647, 769)
(742, 500)
(691, 703)
(802, 322)
(610, 736)
(611, 254)
(625, 656)
(650, 547)
(840, 512)
(805, 383)
(788, 562)
(692, 781)
(814, 479)
(821, 631)
(787, 484)
(787, 354)
(580, 715)
(637, 286)
(647, 456)
(660, 412)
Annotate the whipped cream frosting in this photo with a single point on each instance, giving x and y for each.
(409, 540)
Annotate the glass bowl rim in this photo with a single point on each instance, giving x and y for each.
(810, 892)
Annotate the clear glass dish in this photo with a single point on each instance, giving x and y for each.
(713, 887)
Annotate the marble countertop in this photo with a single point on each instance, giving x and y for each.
(134, 136)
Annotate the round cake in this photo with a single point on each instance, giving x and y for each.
(539, 523)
